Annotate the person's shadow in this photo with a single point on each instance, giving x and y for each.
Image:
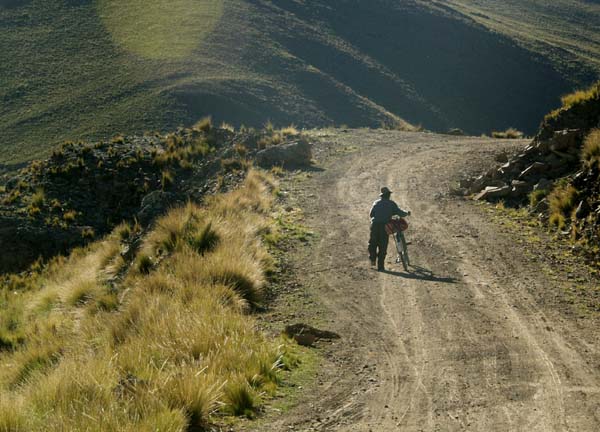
(421, 273)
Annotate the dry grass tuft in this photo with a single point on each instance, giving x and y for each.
(203, 125)
(563, 202)
(591, 149)
(576, 98)
(510, 133)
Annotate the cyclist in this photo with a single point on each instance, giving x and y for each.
(382, 211)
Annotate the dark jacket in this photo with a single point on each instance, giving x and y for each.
(383, 209)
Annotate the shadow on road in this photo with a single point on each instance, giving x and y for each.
(421, 273)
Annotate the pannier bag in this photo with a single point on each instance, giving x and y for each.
(396, 225)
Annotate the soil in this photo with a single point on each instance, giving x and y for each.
(479, 335)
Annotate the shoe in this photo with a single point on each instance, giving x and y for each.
(373, 263)
(380, 269)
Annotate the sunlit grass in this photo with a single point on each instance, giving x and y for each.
(591, 149)
(165, 348)
(160, 29)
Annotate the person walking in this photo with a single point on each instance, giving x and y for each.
(381, 213)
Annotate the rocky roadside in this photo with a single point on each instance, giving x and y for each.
(83, 190)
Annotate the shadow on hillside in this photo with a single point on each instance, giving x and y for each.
(421, 273)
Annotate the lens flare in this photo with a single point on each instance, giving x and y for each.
(160, 29)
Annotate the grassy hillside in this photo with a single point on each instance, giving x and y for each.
(566, 31)
(158, 339)
(88, 69)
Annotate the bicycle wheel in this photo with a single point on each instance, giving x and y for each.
(404, 258)
(402, 251)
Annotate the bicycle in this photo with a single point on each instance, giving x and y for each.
(396, 228)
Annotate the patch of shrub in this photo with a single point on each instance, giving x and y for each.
(36, 358)
(232, 165)
(536, 196)
(145, 264)
(203, 125)
(241, 283)
(240, 399)
(70, 216)
(590, 154)
(38, 198)
(88, 233)
(167, 179)
(107, 302)
(118, 139)
(81, 292)
(563, 201)
(204, 240)
(241, 150)
(510, 133)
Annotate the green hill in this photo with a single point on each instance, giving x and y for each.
(88, 69)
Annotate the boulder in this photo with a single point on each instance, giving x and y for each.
(482, 182)
(565, 139)
(501, 157)
(553, 161)
(583, 209)
(535, 170)
(543, 146)
(491, 193)
(520, 188)
(510, 169)
(543, 184)
(297, 153)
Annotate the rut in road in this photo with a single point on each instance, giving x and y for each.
(462, 342)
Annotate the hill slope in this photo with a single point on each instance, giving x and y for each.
(90, 69)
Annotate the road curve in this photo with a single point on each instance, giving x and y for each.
(471, 339)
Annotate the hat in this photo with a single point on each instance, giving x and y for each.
(385, 191)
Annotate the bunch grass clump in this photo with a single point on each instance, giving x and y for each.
(577, 97)
(97, 344)
(563, 202)
(590, 154)
(510, 133)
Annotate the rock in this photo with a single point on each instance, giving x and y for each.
(483, 182)
(501, 157)
(510, 169)
(154, 204)
(535, 170)
(553, 161)
(583, 209)
(580, 179)
(565, 139)
(493, 193)
(477, 184)
(306, 335)
(543, 184)
(298, 153)
(543, 146)
(520, 188)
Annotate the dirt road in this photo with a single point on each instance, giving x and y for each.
(475, 337)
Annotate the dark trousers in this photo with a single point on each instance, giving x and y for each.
(378, 244)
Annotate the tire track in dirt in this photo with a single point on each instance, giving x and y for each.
(463, 342)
